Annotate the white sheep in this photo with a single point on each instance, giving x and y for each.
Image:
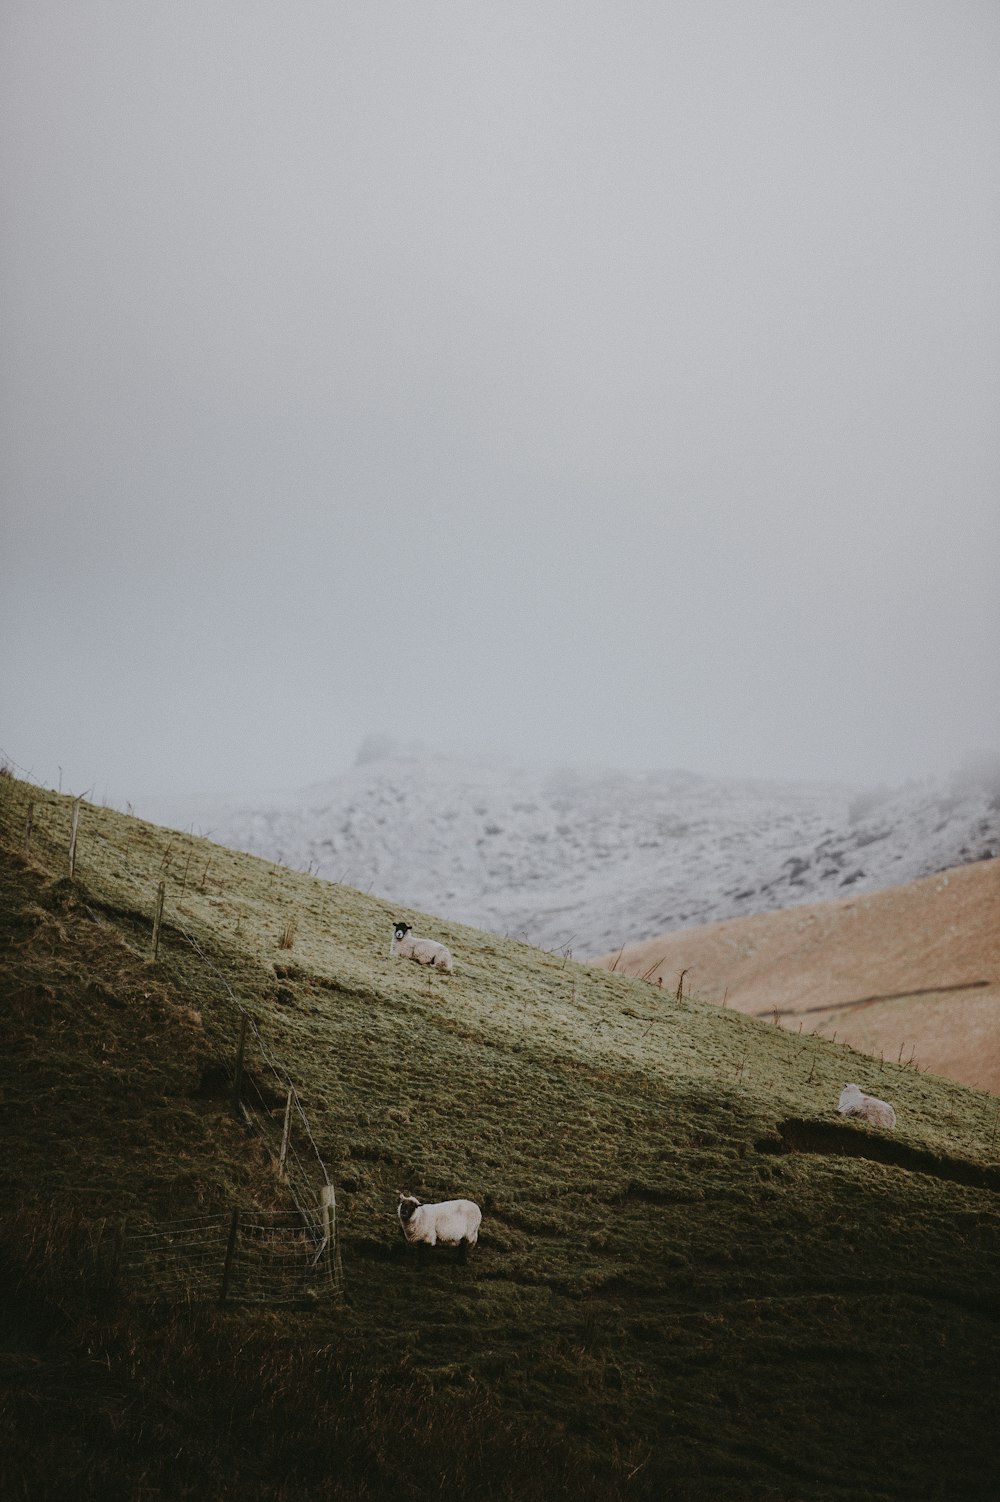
(854, 1102)
(406, 946)
(452, 1222)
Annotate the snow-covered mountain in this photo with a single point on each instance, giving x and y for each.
(588, 860)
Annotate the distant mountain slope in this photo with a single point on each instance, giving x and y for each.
(588, 860)
(908, 970)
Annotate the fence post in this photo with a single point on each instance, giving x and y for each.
(29, 825)
(73, 827)
(234, 1229)
(161, 892)
(118, 1255)
(328, 1214)
(238, 1081)
(286, 1132)
(110, 1258)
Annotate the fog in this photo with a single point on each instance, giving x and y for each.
(591, 383)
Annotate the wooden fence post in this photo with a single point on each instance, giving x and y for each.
(328, 1214)
(286, 1132)
(241, 1049)
(161, 892)
(29, 825)
(118, 1256)
(234, 1229)
(73, 827)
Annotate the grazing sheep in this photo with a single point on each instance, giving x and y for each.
(854, 1102)
(452, 1222)
(406, 946)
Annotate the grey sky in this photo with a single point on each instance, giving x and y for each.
(597, 382)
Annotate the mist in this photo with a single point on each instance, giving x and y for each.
(586, 383)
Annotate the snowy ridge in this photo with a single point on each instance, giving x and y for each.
(589, 860)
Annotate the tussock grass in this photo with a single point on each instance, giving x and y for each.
(673, 1294)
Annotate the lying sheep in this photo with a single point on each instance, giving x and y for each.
(452, 1222)
(406, 946)
(854, 1102)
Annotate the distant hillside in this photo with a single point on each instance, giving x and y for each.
(590, 860)
(694, 1280)
(908, 971)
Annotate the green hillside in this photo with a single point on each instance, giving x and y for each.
(694, 1279)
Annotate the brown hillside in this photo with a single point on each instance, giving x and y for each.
(913, 969)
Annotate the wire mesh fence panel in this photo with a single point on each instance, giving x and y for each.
(280, 1264)
(252, 1257)
(179, 1258)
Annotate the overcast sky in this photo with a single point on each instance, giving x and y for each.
(596, 382)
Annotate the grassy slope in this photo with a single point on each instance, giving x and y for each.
(660, 1300)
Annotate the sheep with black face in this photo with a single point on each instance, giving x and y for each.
(405, 945)
(448, 1223)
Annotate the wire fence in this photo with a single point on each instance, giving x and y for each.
(253, 1255)
(248, 1257)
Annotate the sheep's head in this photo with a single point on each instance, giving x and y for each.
(401, 930)
(407, 1204)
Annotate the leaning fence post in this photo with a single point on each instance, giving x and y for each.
(234, 1228)
(73, 827)
(161, 892)
(286, 1132)
(238, 1081)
